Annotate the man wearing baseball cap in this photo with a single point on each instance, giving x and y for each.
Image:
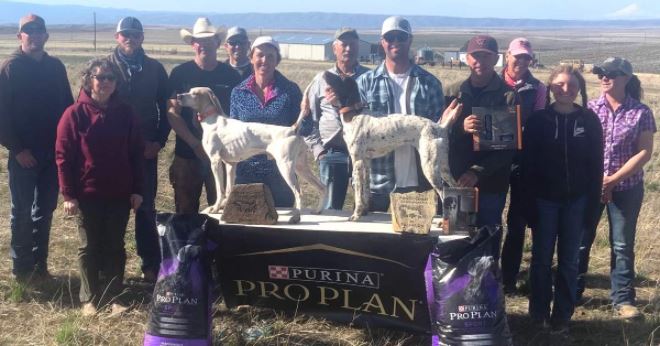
(326, 139)
(487, 170)
(531, 95)
(237, 45)
(143, 85)
(190, 169)
(34, 91)
(414, 91)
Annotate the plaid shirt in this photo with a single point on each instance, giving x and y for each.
(621, 131)
(426, 100)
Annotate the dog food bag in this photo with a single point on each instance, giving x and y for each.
(180, 313)
(468, 306)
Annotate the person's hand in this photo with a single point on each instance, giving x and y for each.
(471, 124)
(25, 159)
(71, 207)
(173, 106)
(468, 179)
(151, 150)
(451, 113)
(136, 201)
(609, 183)
(331, 97)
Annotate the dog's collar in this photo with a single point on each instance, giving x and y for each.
(357, 108)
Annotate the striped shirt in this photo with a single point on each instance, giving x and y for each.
(621, 132)
(426, 100)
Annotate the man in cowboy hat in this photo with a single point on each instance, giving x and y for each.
(237, 45)
(190, 168)
(144, 86)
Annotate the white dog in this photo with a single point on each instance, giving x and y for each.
(369, 137)
(231, 141)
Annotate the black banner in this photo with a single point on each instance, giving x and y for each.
(374, 279)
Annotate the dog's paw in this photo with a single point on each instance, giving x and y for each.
(213, 209)
(354, 217)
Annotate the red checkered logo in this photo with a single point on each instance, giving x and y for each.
(278, 272)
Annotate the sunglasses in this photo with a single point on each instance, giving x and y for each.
(610, 75)
(132, 35)
(392, 37)
(104, 77)
(237, 43)
(33, 31)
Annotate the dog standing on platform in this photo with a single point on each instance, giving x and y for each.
(369, 137)
(230, 141)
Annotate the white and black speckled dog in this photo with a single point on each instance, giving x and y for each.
(369, 137)
(231, 141)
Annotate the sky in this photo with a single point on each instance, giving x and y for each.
(535, 9)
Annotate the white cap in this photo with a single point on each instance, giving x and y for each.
(396, 23)
(236, 31)
(265, 40)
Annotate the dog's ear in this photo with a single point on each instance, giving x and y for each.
(334, 81)
(215, 102)
(352, 92)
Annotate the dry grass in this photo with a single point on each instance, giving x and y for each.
(49, 314)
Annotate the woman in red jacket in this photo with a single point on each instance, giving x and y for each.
(99, 152)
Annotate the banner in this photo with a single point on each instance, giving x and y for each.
(374, 279)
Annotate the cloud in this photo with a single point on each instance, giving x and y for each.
(632, 10)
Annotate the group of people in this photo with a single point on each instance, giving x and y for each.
(577, 157)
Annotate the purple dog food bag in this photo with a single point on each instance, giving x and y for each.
(468, 306)
(180, 313)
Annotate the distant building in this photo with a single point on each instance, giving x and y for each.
(316, 47)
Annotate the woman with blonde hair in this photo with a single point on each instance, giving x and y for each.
(562, 174)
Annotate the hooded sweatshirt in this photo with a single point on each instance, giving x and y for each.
(99, 152)
(563, 155)
(33, 95)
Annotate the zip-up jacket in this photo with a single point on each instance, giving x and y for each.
(563, 155)
(492, 168)
(33, 95)
(99, 152)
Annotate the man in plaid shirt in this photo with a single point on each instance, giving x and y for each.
(398, 86)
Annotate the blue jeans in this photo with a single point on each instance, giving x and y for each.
(622, 213)
(33, 194)
(335, 170)
(146, 236)
(491, 206)
(561, 223)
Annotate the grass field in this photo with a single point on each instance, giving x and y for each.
(49, 314)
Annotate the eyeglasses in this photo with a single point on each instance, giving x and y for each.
(399, 36)
(610, 75)
(132, 35)
(237, 43)
(104, 77)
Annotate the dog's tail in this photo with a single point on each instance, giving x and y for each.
(305, 109)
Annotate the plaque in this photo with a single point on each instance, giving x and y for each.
(250, 204)
(500, 128)
(459, 210)
(412, 212)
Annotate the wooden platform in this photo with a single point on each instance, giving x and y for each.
(337, 221)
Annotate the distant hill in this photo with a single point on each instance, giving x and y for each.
(73, 14)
